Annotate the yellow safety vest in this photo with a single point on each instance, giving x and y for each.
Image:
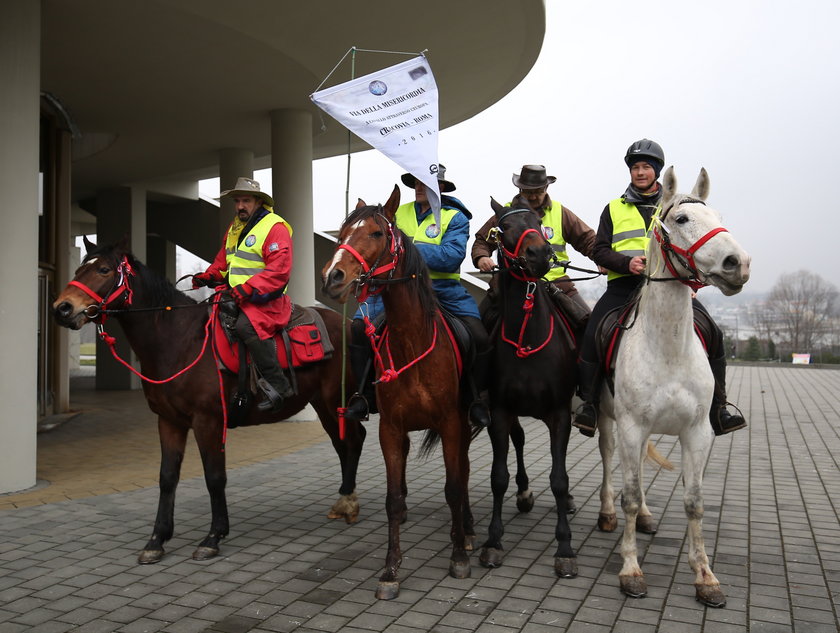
(244, 260)
(630, 237)
(427, 232)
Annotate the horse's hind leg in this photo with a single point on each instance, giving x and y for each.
(565, 559)
(694, 454)
(208, 435)
(492, 552)
(173, 440)
(524, 496)
(393, 445)
(455, 439)
(607, 520)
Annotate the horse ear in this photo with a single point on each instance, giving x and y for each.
(701, 187)
(89, 246)
(123, 244)
(361, 203)
(497, 208)
(390, 208)
(669, 186)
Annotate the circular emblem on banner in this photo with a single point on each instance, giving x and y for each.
(433, 230)
(548, 232)
(433, 168)
(250, 240)
(377, 88)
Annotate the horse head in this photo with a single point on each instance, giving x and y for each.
(692, 243)
(101, 282)
(369, 246)
(520, 238)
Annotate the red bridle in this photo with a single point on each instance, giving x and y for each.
(124, 271)
(370, 273)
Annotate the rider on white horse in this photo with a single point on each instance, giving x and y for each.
(620, 248)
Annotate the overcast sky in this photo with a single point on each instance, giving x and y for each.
(747, 89)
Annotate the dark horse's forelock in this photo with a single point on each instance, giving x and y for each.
(412, 268)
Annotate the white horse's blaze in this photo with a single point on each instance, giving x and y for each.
(663, 382)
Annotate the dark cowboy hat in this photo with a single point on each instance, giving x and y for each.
(445, 186)
(532, 177)
(247, 187)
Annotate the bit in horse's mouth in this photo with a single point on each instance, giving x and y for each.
(726, 287)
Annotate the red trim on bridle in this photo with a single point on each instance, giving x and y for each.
(124, 271)
(686, 256)
(369, 274)
(523, 351)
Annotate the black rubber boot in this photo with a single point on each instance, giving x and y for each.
(721, 419)
(362, 403)
(589, 382)
(273, 381)
(479, 410)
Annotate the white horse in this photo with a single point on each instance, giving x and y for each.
(663, 383)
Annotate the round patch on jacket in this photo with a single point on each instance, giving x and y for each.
(548, 232)
(250, 240)
(433, 230)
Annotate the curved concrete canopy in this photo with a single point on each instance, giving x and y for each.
(157, 88)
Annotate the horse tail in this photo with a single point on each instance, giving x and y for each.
(430, 441)
(657, 458)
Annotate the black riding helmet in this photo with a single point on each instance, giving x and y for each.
(645, 149)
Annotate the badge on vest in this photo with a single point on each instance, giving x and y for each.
(548, 232)
(250, 240)
(433, 230)
(274, 246)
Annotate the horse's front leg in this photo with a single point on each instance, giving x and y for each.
(492, 552)
(631, 578)
(456, 443)
(208, 436)
(173, 441)
(393, 445)
(349, 451)
(695, 451)
(560, 426)
(524, 496)
(607, 520)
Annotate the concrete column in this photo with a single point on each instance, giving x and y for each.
(291, 177)
(20, 70)
(160, 257)
(233, 163)
(120, 211)
(64, 270)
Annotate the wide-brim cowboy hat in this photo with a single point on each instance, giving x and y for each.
(532, 177)
(444, 185)
(248, 187)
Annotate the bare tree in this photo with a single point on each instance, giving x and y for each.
(803, 305)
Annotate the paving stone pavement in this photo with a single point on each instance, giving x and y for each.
(771, 530)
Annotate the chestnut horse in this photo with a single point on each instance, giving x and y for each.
(167, 341)
(418, 385)
(533, 375)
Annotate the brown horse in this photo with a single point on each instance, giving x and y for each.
(417, 367)
(166, 341)
(533, 374)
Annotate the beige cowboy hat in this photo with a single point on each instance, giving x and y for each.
(532, 177)
(445, 186)
(248, 187)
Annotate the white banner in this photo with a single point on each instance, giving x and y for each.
(396, 111)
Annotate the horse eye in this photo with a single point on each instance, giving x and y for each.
(377, 234)
(104, 270)
(682, 219)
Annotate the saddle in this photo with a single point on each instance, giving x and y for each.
(304, 340)
(611, 329)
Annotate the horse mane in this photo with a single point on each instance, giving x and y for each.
(157, 289)
(414, 269)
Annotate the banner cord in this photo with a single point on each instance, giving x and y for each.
(354, 50)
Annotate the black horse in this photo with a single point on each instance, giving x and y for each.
(533, 375)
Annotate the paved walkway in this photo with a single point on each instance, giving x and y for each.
(771, 530)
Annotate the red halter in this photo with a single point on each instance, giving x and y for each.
(124, 271)
(364, 289)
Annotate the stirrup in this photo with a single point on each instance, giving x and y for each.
(727, 422)
(586, 419)
(358, 409)
(273, 401)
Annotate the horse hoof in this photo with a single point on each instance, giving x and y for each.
(525, 501)
(349, 517)
(607, 522)
(203, 552)
(388, 590)
(150, 556)
(346, 508)
(565, 567)
(646, 525)
(491, 557)
(571, 507)
(459, 568)
(469, 542)
(710, 595)
(633, 586)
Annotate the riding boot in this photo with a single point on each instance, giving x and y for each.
(589, 383)
(273, 381)
(479, 410)
(721, 419)
(363, 402)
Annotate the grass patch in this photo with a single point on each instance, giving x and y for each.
(88, 349)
